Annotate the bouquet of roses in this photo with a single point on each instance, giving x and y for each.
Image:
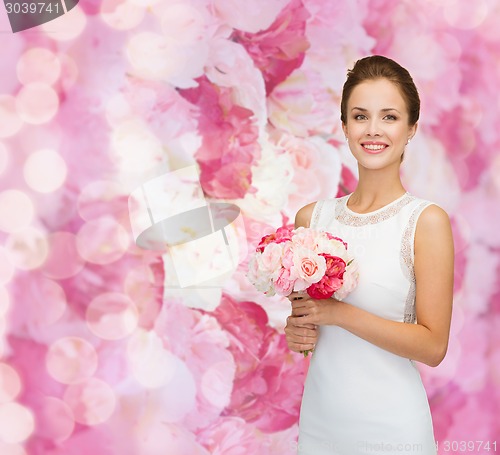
(303, 259)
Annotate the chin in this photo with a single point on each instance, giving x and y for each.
(373, 164)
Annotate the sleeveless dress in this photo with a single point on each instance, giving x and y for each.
(359, 398)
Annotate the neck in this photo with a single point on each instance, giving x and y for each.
(380, 185)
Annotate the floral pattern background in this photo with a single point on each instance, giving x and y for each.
(95, 356)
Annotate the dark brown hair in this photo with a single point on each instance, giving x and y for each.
(379, 67)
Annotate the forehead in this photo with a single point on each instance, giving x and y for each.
(377, 93)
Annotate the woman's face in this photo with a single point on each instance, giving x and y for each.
(377, 124)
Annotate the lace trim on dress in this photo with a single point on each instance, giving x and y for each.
(406, 258)
(360, 219)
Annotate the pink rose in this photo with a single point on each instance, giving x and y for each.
(324, 288)
(287, 259)
(332, 281)
(306, 237)
(270, 259)
(332, 237)
(282, 234)
(284, 283)
(309, 267)
(263, 268)
(335, 266)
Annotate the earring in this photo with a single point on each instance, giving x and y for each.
(408, 141)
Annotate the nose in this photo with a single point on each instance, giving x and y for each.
(373, 128)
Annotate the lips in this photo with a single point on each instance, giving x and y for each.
(374, 147)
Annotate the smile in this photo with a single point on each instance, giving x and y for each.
(374, 148)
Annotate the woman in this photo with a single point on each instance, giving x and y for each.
(363, 393)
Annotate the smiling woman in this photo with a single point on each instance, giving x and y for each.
(378, 120)
(362, 388)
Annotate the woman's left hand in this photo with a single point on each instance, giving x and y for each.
(317, 312)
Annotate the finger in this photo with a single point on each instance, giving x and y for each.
(299, 303)
(309, 326)
(294, 296)
(301, 311)
(306, 319)
(302, 321)
(300, 347)
(298, 321)
(301, 335)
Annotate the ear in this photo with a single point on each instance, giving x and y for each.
(412, 130)
(344, 129)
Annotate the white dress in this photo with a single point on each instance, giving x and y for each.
(359, 398)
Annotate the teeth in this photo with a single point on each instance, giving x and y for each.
(373, 147)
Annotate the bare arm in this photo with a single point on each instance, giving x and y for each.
(425, 341)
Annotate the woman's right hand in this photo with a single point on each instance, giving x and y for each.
(300, 337)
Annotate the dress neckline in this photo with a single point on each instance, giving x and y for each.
(390, 204)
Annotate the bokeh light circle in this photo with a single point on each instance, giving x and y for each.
(16, 210)
(45, 171)
(10, 122)
(56, 421)
(70, 360)
(121, 14)
(112, 316)
(102, 241)
(92, 401)
(6, 267)
(27, 247)
(139, 285)
(38, 65)
(4, 157)
(53, 299)
(10, 383)
(96, 198)
(465, 15)
(66, 27)
(37, 103)
(16, 423)
(63, 260)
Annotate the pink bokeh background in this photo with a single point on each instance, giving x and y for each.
(97, 355)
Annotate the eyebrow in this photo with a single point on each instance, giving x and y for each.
(387, 109)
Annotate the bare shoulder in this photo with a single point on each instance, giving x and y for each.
(433, 218)
(433, 229)
(303, 217)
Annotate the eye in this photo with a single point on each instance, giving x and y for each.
(390, 117)
(360, 117)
